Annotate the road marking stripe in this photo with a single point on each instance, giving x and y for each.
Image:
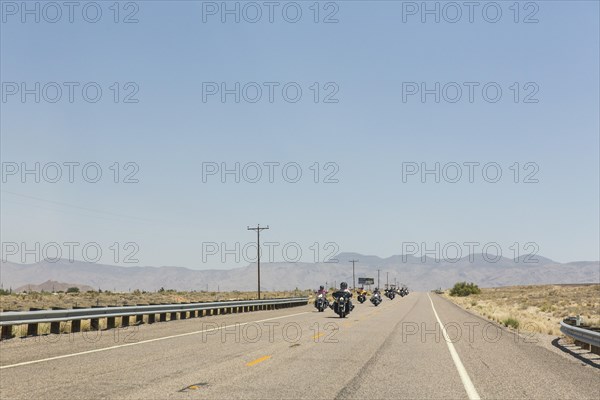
(318, 335)
(464, 376)
(142, 342)
(258, 360)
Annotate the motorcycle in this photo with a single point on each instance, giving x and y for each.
(341, 306)
(376, 299)
(362, 298)
(321, 303)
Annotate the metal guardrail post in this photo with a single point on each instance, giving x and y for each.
(183, 314)
(32, 329)
(55, 326)
(111, 322)
(76, 323)
(125, 319)
(95, 322)
(139, 319)
(152, 317)
(6, 332)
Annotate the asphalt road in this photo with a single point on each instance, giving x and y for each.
(396, 350)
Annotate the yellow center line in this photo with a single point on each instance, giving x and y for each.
(258, 360)
(318, 335)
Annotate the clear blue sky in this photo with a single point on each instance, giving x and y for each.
(368, 133)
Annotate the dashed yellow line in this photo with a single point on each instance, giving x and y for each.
(258, 360)
(318, 335)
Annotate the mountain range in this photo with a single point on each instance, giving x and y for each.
(408, 270)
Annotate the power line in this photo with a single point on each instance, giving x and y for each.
(91, 210)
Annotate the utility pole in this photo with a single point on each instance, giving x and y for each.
(258, 229)
(378, 281)
(353, 279)
(387, 279)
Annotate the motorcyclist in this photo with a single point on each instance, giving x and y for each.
(344, 291)
(322, 291)
(376, 297)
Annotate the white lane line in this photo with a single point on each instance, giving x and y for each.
(464, 376)
(143, 342)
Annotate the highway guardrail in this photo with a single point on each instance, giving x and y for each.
(585, 337)
(33, 318)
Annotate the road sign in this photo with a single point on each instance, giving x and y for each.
(366, 281)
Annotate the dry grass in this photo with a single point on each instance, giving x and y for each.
(535, 308)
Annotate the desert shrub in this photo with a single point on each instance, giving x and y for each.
(73, 290)
(512, 322)
(462, 289)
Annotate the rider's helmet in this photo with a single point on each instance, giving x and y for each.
(343, 286)
(321, 287)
